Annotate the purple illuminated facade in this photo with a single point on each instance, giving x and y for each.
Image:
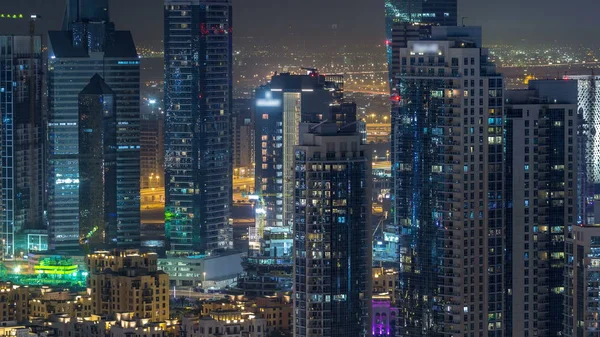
(383, 319)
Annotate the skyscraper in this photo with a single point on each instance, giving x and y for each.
(541, 130)
(90, 10)
(198, 120)
(431, 12)
(280, 106)
(21, 199)
(582, 275)
(332, 264)
(409, 19)
(588, 106)
(448, 189)
(91, 46)
(98, 163)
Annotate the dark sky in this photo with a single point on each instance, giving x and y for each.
(358, 21)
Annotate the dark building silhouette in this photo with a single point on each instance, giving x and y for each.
(98, 163)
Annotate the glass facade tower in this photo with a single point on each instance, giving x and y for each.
(75, 56)
(21, 198)
(280, 106)
(198, 125)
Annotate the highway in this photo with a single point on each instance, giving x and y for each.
(153, 205)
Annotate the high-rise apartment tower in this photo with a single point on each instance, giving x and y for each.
(332, 266)
(541, 130)
(448, 186)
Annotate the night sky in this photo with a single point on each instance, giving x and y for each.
(358, 21)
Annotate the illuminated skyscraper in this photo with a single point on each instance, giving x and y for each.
(448, 187)
(21, 177)
(280, 106)
(588, 106)
(91, 46)
(407, 18)
(431, 12)
(198, 125)
(332, 234)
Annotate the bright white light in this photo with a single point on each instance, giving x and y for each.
(253, 197)
(152, 101)
(426, 48)
(268, 103)
(17, 270)
(260, 211)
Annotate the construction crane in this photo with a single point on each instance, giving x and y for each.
(33, 200)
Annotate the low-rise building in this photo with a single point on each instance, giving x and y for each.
(224, 324)
(13, 303)
(204, 271)
(117, 325)
(126, 325)
(384, 316)
(11, 328)
(277, 311)
(128, 282)
(384, 282)
(219, 305)
(49, 303)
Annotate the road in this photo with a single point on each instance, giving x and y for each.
(242, 185)
(382, 165)
(152, 199)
